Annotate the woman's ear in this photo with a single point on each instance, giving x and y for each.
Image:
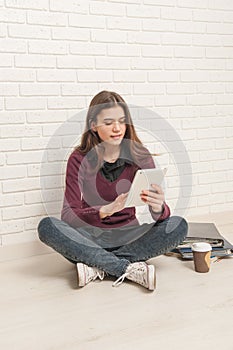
(93, 126)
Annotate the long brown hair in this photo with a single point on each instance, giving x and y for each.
(90, 139)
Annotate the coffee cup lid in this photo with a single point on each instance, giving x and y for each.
(201, 247)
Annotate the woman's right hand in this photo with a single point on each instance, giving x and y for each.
(114, 207)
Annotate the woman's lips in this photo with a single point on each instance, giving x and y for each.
(116, 137)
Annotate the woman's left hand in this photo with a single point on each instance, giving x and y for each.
(154, 198)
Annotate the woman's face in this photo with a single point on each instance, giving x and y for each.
(111, 125)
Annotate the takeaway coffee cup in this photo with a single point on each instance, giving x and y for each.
(201, 256)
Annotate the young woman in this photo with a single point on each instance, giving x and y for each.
(96, 232)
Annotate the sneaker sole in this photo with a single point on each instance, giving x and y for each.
(151, 277)
(81, 275)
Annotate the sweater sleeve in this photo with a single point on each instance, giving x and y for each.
(73, 211)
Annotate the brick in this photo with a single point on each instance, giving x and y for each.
(3, 30)
(191, 52)
(176, 14)
(76, 62)
(35, 61)
(193, 4)
(226, 40)
(129, 76)
(224, 144)
(80, 6)
(66, 103)
(219, 52)
(2, 159)
(89, 48)
(18, 130)
(19, 237)
(206, 15)
(211, 178)
(176, 39)
(145, 62)
(46, 18)
(124, 50)
(112, 63)
(13, 46)
(50, 129)
(197, 100)
(12, 16)
(157, 25)
(159, 51)
(26, 157)
(28, 4)
(209, 64)
(47, 170)
(29, 144)
(107, 9)
(179, 64)
(150, 89)
(13, 172)
(196, 123)
(47, 48)
(11, 226)
(58, 75)
(39, 89)
(12, 117)
(160, 2)
(184, 112)
(194, 76)
(215, 88)
(222, 165)
(211, 133)
(13, 103)
(223, 76)
(14, 75)
(180, 88)
(221, 5)
(75, 34)
(7, 89)
(24, 211)
(123, 23)
(94, 76)
(39, 117)
(163, 76)
(109, 36)
(128, 1)
(33, 197)
(143, 11)
(9, 145)
(26, 31)
(190, 27)
(174, 100)
(6, 60)
(144, 38)
(219, 28)
(86, 21)
(10, 200)
(224, 99)
(79, 89)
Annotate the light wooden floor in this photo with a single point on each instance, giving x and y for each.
(41, 307)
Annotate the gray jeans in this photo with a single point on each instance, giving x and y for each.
(76, 245)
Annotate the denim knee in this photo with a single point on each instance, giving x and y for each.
(181, 227)
(44, 228)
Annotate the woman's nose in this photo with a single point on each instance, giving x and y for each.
(116, 125)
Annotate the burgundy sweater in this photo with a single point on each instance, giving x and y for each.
(86, 191)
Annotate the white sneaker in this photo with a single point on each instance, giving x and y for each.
(86, 274)
(140, 273)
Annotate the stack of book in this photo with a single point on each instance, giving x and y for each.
(203, 232)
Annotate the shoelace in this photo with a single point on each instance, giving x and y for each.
(120, 279)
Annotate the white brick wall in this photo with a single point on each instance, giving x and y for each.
(172, 56)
